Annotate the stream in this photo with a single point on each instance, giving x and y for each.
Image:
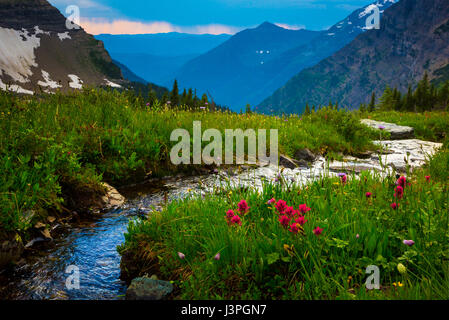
(91, 244)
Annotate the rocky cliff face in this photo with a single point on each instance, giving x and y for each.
(412, 39)
(38, 52)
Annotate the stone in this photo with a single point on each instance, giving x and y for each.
(148, 289)
(396, 132)
(112, 198)
(289, 163)
(10, 250)
(304, 154)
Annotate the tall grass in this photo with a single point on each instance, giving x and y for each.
(52, 146)
(261, 259)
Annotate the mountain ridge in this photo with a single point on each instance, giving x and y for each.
(398, 54)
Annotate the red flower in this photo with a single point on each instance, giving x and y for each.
(394, 205)
(294, 228)
(243, 206)
(317, 231)
(368, 194)
(300, 220)
(284, 220)
(289, 211)
(399, 192)
(229, 214)
(428, 178)
(303, 208)
(236, 220)
(281, 205)
(402, 181)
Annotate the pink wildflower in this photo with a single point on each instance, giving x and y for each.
(301, 220)
(409, 242)
(399, 192)
(236, 220)
(368, 194)
(284, 220)
(294, 228)
(428, 178)
(402, 181)
(317, 231)
(271, 201)
(217, 256)
(281, 205)
(289, 211)
(394, 205)
(303, 208)
(243, 206)
(181, 255)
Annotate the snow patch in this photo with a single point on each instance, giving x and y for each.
(14, 88)
(48, 82)
(64, 35)
(17, 53)
(76, 82)
(39, 31)
(112, 84)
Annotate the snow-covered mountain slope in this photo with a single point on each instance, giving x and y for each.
(39, 53)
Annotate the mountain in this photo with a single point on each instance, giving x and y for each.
(128, 74)
(235, 83)
(235, 68)
(38, 51)
(412, 40)
(156, 57)
(327, 43)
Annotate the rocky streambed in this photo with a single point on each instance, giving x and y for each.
(90, 245)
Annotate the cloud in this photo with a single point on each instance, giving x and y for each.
(123, 26)
(290, 26)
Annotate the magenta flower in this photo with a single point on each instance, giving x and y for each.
(394, 205)
(343, 177)
(271, 201)
(428, 178)
(399, 192)
(301, 220)
(402, 181)
(181, 255)
(281, 205)
(317, 231)
(303, 208)
(284, 221)
(381, 127)
(243, 206)
(230, 214)
(236, 220)
(409, 242)
(294, 228)
(217, 256)
(289, 211)
(357, 236)
(368, 194)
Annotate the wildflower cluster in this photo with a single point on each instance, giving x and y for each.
(291, 218)
(233, 218)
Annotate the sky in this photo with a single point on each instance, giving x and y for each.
(206, 16)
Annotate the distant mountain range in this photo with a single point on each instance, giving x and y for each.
(254, 63)
(156, 57)
(38, 52)
(413, 39)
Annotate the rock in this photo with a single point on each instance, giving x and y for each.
(148, 289)
(51, 219)
(34, 241)
(289, 163)
(396, 132)
(39, 225)
(112, 198)
(11, 249)
(305, 155)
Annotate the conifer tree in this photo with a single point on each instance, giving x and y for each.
(174, 96)
(372, 104)
(307, 110)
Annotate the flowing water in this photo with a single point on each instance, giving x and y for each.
(91, 245)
